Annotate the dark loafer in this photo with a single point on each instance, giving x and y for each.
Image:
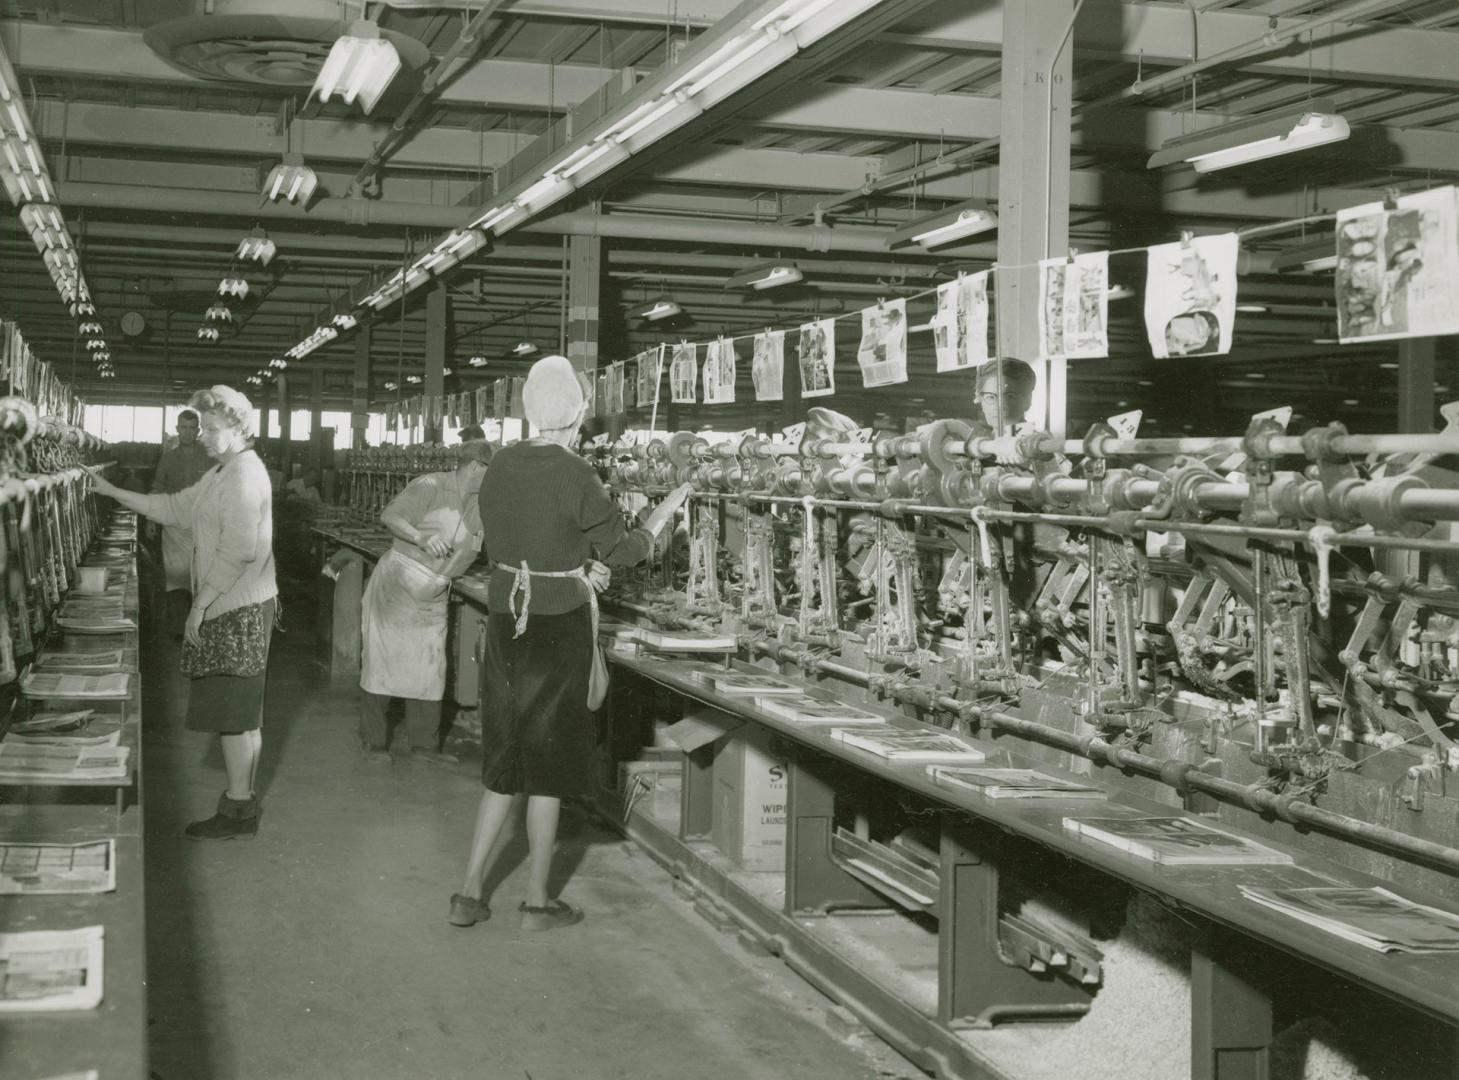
(552, 916)
(467, 910)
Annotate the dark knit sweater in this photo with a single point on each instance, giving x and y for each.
(542, 503)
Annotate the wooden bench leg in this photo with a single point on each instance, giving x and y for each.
(1231, 1022)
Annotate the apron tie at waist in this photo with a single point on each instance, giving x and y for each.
(522, 576)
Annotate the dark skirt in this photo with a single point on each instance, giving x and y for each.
(536, 732)
(228, 704)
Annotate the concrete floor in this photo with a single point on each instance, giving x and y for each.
(320, 950)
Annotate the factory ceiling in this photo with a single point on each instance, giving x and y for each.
(160, 122)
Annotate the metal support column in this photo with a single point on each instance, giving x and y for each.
(1033, 184)
(438, 316)
(360, 389)
(584, 283)
(1416, 385)
(317, 450)
(286, 433)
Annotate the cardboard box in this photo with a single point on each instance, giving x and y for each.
(749, 801)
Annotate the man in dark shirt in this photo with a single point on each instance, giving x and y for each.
(180, 466)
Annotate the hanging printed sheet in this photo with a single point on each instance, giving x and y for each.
(1398, 269)
(1074, 307)
(518, 385)
(616, 377)
(499, 399)
(650, 370)
(590, 392)
(767, 366)
(719, 372)
(817, 351)
(683, 373)
(882, 354)
(960, 327)
(1190, 296)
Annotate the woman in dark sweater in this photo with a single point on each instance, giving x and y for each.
(550, 517)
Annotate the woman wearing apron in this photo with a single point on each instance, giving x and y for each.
(436, 522)
(550, 517)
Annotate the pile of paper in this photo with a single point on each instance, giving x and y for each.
(809, 709)
(102, 661)
(51, 970)
(750, 684)
(53, 684)
(1174, 841)
(909, 744)
(1014, 783)
(1373, 918)
(39, 763)
(58, 868)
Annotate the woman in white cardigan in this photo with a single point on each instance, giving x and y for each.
(235, 597)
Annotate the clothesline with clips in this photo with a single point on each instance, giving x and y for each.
(1390, 202)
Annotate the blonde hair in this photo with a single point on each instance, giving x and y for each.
(227, 404)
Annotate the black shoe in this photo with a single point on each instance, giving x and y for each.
(235, 817)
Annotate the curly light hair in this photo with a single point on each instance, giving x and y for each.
(228, 405)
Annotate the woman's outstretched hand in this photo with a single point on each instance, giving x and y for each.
(100, 483)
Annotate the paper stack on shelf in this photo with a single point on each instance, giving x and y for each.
(1373, 918)
(910, 744)
(749, 684)
(1013, 783)
(807, 709)
(50, 684)
(30, 763)
(101, 661)
(683, 641)
(51, 970)
(58, 868)
(102, 734)
(50, 722)
(88, 617)
(1175, 841)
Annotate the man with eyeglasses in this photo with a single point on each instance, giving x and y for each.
(1005, 394)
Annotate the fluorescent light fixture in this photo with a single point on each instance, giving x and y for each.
(233, 287)
(278, 362)
(253, 380)
(495, 217)
(1308, 258)
(218, 313)
(766, 276)
(1252, 309)
(657, 310)
(391, 384)
(207, 333)
(523, 348)
(956, 222)
(359, 67)
(290, 180)
(412, 379)
(477, 361)
(1315, 122)
(1256, 375)
(88, 328)
(82, 308)
(95, 345)
(548, 188)
(345, 321)
(257, 247)
(464, 243)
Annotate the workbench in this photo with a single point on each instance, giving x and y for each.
(954, 970)
(112, 1038)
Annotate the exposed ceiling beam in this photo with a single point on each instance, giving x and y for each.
(90, 53)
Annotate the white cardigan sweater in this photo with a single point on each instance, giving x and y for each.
(230, 511)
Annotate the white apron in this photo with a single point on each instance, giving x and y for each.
(403, 630)
(177, 557)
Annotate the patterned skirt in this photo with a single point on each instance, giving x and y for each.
(229, 704)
